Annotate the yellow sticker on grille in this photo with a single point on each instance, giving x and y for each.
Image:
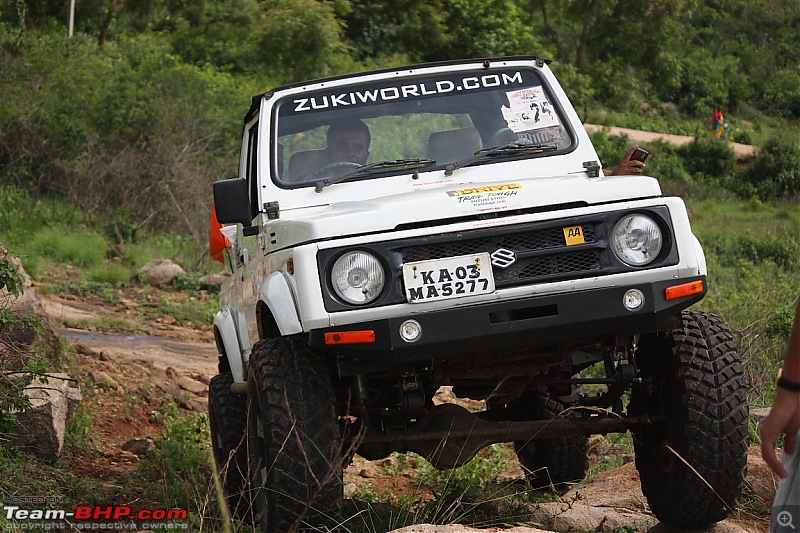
(573, 235)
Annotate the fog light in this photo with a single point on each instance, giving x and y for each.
(410, 331)
(633, 299)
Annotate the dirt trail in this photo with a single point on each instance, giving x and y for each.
(185, 356)
(743, 152)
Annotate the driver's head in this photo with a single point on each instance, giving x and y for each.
(348, 140)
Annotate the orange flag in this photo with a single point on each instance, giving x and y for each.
(218, 242)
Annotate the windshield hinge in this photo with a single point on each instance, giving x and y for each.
(592, 168)
(271, 209)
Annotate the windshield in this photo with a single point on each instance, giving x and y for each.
(412, 122)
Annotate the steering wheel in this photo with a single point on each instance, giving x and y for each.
(330, 170)
(494, 140)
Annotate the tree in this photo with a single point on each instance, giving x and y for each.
(582, 31)
(437, 30)
(302, 39)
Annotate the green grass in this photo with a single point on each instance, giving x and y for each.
(81, 247)
(110, 274)
(753, 254)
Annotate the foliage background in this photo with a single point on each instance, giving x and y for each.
(133, 117)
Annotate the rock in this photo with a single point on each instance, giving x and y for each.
(202, 378)
(103, 380)
(74, 399)
(391, 462)
(169, 387)
(759, 413)
(213, 281)
(160, 272)
(198, 405)
(583, 516)
(350, 490)
(42, 427)
(138, 446)
(192, 385)
(126, 457)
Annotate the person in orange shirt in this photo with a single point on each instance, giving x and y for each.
(717, 123)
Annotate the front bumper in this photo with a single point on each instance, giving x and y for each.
(563, 320)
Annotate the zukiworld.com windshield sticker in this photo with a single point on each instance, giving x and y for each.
(413, 89)
(529, 109)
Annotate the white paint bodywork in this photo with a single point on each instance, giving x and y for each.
(282, 269)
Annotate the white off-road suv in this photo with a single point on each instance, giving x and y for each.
(479, 247)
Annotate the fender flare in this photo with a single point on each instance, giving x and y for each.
(277, 295)
(701, 257)
(223, 322)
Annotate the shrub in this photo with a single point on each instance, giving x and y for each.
(180, 458)
(708, 157)
(775, 173)
(610, 148)
(707, 81)
(12, 396)
(782, 93)
(667, 165)
(783, 249)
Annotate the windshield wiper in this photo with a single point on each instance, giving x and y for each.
(514, 148)
(411, 163)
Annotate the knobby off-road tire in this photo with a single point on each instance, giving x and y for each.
(293, 438)
(697, 384)
(227, 415)
(556, 461)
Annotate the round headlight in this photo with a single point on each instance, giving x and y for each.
(636, 240)
(357, 277)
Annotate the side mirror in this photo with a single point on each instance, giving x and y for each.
(232, 202)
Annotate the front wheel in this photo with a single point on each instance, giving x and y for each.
(692, 466)
(293, 437)
(227, 414)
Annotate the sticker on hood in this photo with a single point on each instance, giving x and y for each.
(487, 198)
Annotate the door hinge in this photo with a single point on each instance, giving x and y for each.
(272, 209)
(592, 168)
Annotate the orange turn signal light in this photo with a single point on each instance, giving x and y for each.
(687, 289)
(366, 336)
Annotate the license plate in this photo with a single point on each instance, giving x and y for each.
(452, 277)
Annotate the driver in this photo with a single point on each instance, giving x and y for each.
(348, 140)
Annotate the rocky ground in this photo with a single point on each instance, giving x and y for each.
(133, 375)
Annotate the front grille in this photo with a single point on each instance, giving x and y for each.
(540, 249)
(541, 254)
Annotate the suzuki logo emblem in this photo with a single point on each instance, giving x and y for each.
(503, 258)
